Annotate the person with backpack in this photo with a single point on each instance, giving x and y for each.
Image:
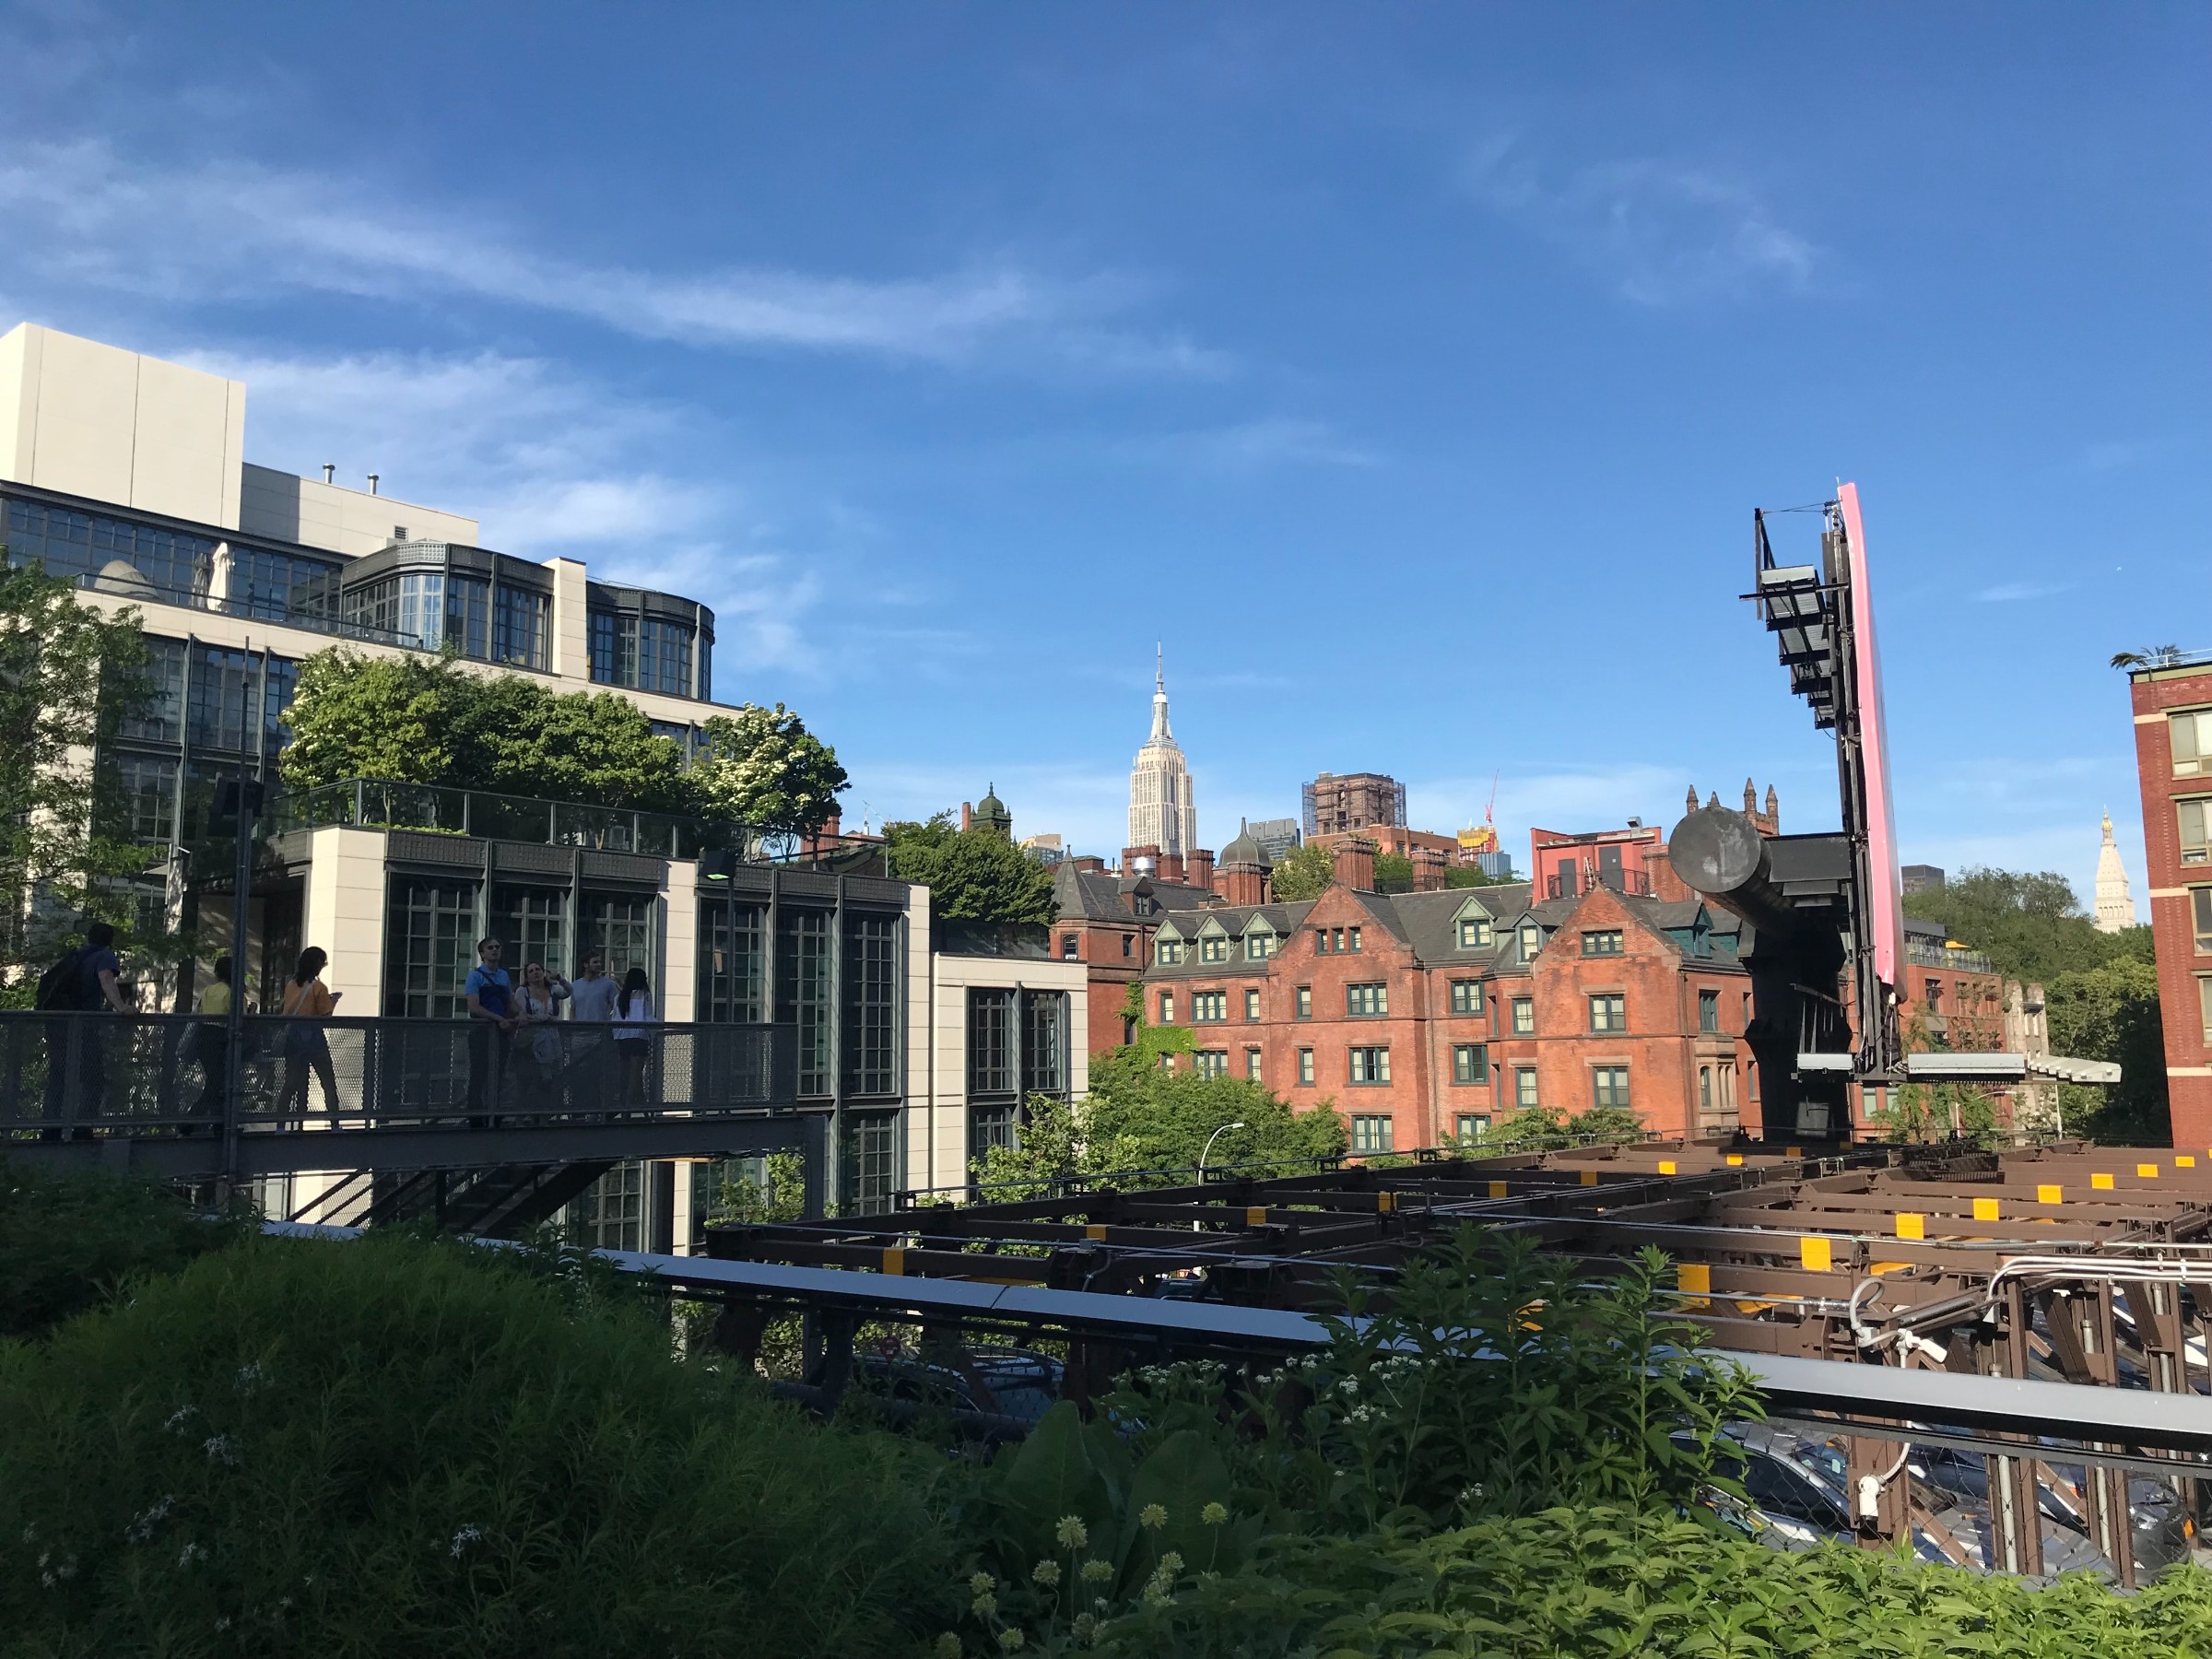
(84, 982)
(489, 997)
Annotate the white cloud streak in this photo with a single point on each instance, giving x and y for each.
(1661, 232)
(80, 212)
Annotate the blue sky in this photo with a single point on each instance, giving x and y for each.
(1409, 372)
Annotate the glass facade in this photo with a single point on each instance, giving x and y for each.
(523, 628)
(647, 653)
(871, 987)
(83, 544)
(803, 992)
(731, 963)
(428, 609)
(429, 945)
(276, 585)
(532, 923)
(237, 698)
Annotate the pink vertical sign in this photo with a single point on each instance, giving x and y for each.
(1885, 905)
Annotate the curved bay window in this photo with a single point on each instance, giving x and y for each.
(650, 643)
(486, 605)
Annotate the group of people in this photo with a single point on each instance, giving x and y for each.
(515, 1051)
(517, 1057)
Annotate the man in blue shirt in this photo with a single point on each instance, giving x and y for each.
(84, 982)
(491, 1016)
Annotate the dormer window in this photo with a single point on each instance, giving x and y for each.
(1141, 904)
(1213, 948)
(1259, 947)
(1473, 933)
(1170, 951)
(1531, 941)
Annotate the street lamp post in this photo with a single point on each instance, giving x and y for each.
(1210, 1139)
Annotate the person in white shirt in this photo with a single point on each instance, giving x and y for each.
(633, 1021)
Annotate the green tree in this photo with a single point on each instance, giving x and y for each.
(1394, 873)
(2112, 1013)
(408, 719)
(1303, 873)
(2030, 926)
(973, 875)
(69, 677)
(1467, 875)
(766, 770)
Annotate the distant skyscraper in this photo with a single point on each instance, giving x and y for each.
(1921, 878)
(2115, 906)
(1278, 837)
(1162, 812)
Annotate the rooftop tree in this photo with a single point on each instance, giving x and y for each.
(973, 875)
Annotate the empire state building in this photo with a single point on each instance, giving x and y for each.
(1162, 812)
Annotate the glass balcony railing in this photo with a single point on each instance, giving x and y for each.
(142, 590)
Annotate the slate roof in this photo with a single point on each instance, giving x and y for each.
(1105, 897)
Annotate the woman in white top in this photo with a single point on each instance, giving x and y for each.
(633, 1017)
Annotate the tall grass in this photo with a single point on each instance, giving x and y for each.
(400, 1447)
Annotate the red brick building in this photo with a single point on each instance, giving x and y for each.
(1421, 1016)
(1107, 919)
(2173, 761)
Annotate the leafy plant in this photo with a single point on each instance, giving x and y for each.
(411, 1446)
(973, 875)
(764, 768)
(1302, 873)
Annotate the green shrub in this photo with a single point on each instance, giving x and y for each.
(1568, 1584)
(68, 1241)
(409, 1447)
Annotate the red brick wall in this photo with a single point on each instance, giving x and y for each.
(2188, 1060)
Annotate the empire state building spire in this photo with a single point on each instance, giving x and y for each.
(1163, 810)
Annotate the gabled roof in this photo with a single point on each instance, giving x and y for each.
(1105, 897)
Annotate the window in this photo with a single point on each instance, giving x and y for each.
(1933, 995)
(521, 628)
(870, 1028)
(1467, 996)
(991, 1044)
(532, 923)
(429, 945)
(1524, 1016)
(162, 719)
(228, 707)
(1251, 1064)
(1372, 1132)
(1470, 1063)
(1609, 1013)
(664, 656)
(1609, 1085)
(1069, 947)
(2200, 911)
(2195, 820)
(1366, 1002)
(1321, 941)
(1525, 1085)
(871, 1165)
(1208, 1007)
(1170, 951)
(1143, 904)
(990, 1126)
(1259, 947)
(79, 544)
(1305, 1002)
(2192, 735)
(275, 585)
(1531, 941)
(1709, 1011)
(1213, 948)
(1305, 1068)
(1167, 1008)
(732, 961)
(1605, 942)
(1128, 945)
(610, 1213)
(145, 790)
(1211, 1063)
(1471, 1125)
(1728, 1087)
(2203, 1005)
(1252, 1005)
(1705, 1087)
(1473, 933)
(1353, 936)
(1371, 1066)
(802, 982)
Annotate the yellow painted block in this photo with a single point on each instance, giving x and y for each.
(1694, 1277)
(1816, 1255)
(1095, 1230)
(1666, 1166)
(1256, 1216)
(1797, 1151)
(2147, 1171)
(2103, 1184)
(1383, 1204)
(2183, 1161)
(1735, 1159)
(894, 1260)
(2050, 1194)
(1985, 1209)
(1497, 1189)
(1912, 1225)
(1589, 1177)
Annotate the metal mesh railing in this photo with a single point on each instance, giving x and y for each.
(95, 1075)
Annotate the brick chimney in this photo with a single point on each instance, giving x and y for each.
(1130, 855)
(1355, 863)
(1202, 867)
(1171, 867)
(967, 814)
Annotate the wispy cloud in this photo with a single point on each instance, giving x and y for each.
(84, 214)
(1661, 231)
(2012, 592)
(1249, 446)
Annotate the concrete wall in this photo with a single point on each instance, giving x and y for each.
(95, 420)
(345, 916)
(331, 516)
